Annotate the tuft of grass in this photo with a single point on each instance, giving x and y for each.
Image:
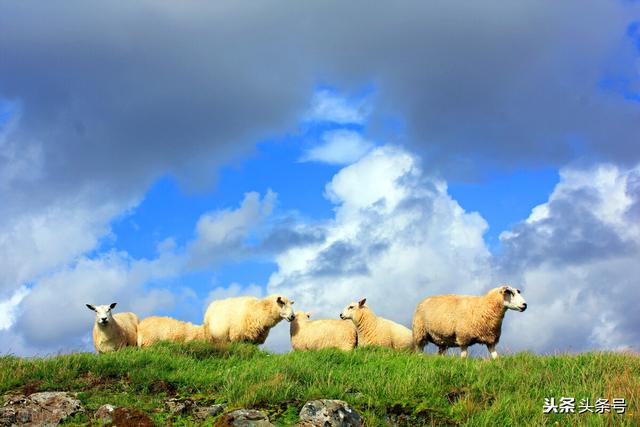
(382, 384)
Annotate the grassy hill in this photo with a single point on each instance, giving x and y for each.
(379, 383)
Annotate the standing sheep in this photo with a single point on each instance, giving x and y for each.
(246, 319)
(154, 329)
(374, 330)
(326, 333)
(111, 332)
(464, 320)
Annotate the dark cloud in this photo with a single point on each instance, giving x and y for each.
(119, 93)
(342, 259)
(573, 233)
(286, 236)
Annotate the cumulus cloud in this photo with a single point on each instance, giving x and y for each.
(397, 236)
(576, 257)
(224, 235)
(35, 243)
(135, 284)
(53, 315)
(339, 147)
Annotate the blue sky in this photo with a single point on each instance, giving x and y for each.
(446, 159)
(169, 210)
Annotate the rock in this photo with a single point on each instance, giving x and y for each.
(179, 406)
(203, 412)
(329, 413)
(104, 414)
(244, 418)
(126, 417)
(189, 407)
(42, 409)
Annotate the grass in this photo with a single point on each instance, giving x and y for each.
(381, 384)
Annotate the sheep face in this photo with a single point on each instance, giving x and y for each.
(286, 311)
(512, 298)
(349, 311)
(103, 313)
(303, 315)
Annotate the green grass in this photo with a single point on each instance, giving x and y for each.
(379, 383)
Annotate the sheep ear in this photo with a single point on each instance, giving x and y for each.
(506, 291)
(279, 301)
(362, 301)
(112, 305)
(91, 307)
(291, 302)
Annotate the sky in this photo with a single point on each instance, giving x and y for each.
(163, 155)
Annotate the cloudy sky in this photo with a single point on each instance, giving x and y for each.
(161, 155)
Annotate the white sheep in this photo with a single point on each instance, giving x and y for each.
(464, 320)
(374, 330)
(155, 329)
(113, 331)
(325, 333)
(245, 319)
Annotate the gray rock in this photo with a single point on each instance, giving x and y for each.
(189, 407)
(244, 418)
(42, 409)
(203, 412)
(104, 414)
(179, 406)
(329, 413)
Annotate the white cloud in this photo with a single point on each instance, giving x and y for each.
(9, 307)
(397, 236)
(36, 243)
(328, 106)
(339, 147)
(576, 256)
(53, 314)
(222, 235)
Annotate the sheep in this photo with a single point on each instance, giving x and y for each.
(245, 319)
(374, 330)
(154, 329)
(326, 333)
(464, 320)
(111, 332)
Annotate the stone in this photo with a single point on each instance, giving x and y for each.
(189, 407)
(203, 412)
(244, 418)
(104, 414)
(48, 408)
(179, 406)
(329, 413)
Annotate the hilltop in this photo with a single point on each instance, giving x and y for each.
(381, 384)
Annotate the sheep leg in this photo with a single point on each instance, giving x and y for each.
(463, 352)
(442, 350)
(492, 351)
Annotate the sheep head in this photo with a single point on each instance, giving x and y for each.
(103, 313)
(512, 298)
